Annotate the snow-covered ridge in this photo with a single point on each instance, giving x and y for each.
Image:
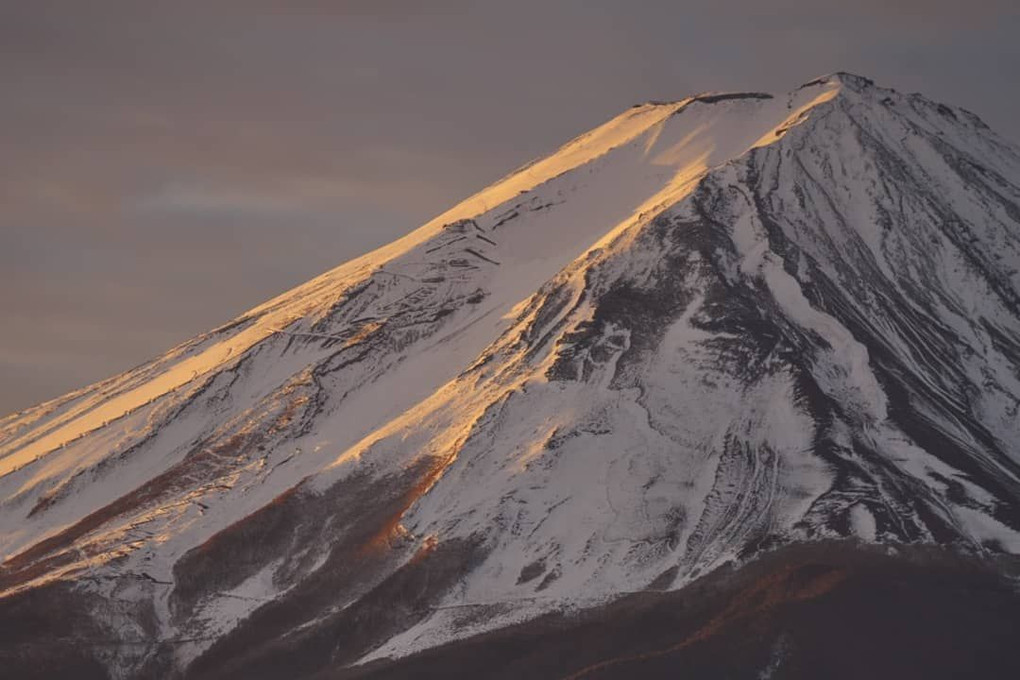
(674, 153)
(702, 329)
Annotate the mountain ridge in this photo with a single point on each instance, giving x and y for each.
(691, 336)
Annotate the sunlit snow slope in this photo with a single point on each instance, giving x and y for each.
(704, 329)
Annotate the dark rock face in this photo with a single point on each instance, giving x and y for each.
(49, 633)
(727, 387)
(806, 611)
(834, 610)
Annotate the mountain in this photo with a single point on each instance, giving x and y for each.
(726, 387)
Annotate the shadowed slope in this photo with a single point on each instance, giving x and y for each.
(802, 612)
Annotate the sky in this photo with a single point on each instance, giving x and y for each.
(166, 165)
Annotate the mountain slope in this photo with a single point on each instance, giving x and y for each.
(704, 330)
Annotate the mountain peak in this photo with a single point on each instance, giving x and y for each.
(852, 80)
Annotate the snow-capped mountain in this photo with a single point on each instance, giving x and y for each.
(701, 334)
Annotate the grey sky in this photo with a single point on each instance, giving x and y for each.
(167, 165)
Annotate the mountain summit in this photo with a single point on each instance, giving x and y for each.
(726, 387)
